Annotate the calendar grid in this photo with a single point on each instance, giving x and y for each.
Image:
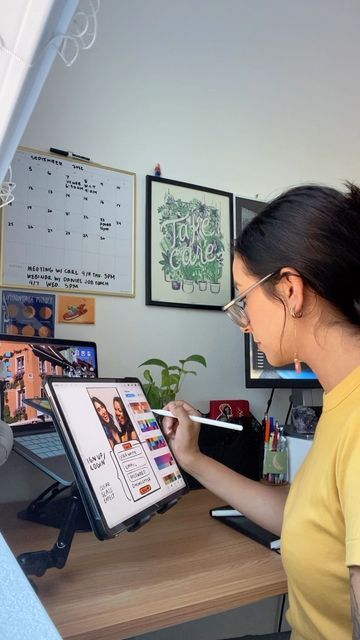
(71, 226)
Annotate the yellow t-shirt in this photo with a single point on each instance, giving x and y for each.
(321, 531)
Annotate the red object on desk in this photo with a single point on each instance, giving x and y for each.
(228, 410)
(267, 430)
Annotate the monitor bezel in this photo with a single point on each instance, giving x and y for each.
(273, 383)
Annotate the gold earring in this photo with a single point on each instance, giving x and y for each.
(297, 361)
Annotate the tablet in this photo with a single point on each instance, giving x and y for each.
(123, 466)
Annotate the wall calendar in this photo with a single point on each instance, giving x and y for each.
(71, 226)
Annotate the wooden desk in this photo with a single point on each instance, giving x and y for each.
(181, 566)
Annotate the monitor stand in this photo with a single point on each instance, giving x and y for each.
(301, 397)
(52, 505)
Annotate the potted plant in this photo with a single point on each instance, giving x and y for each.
(214, 273)
(171, 379)
(165, 264)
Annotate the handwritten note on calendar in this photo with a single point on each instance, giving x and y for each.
(71, 226)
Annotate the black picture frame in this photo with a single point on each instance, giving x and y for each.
(245, 210)
(189, 233)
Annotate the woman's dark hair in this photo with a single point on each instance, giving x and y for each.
(315, 230)
(95, 399)
(127, 427)
(111, 419)
(119, 400)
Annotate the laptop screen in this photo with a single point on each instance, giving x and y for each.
(24, 365)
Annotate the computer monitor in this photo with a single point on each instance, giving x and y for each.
(260, 374)
(24, 364)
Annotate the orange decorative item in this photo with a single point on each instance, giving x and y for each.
(76, 309)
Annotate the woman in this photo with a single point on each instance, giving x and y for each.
(126, 428)
(297, 270)
(107, 421)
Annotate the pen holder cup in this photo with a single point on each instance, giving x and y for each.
(275, 467)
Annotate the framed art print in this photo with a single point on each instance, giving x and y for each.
(245, 210)
(189, 231)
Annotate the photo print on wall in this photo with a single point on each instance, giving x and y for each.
(27, 314)
(188, 253)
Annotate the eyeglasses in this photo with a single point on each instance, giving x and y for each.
(235, 309)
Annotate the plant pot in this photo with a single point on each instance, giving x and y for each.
(188, 286)
(202, 286)
(215, 287)
(176, 285)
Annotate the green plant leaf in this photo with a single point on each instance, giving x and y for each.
(148, 376)
(154, 361)
(173, 378)
(154, 398)
(167, 378)
(167, 396)
(195, 358)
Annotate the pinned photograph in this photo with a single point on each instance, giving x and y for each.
(25, 314)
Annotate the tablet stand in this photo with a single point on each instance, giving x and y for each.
(51, 509)
(37, 562)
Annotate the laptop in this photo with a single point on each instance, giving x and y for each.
(24, 365)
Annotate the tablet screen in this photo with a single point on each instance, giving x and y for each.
(119, 443)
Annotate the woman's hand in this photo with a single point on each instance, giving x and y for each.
(182, 434)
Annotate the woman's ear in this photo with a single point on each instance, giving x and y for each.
(292, 289)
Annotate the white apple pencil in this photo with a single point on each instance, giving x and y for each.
(214, 423)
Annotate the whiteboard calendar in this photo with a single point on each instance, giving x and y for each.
(71, 226)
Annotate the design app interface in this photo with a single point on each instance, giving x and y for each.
(126, 457)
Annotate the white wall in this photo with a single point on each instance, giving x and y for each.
(246, 96)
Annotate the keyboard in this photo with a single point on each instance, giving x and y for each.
(44, 445)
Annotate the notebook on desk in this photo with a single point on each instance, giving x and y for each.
(24, 364)
(239, 522)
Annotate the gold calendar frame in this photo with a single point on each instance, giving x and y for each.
(93, 216)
